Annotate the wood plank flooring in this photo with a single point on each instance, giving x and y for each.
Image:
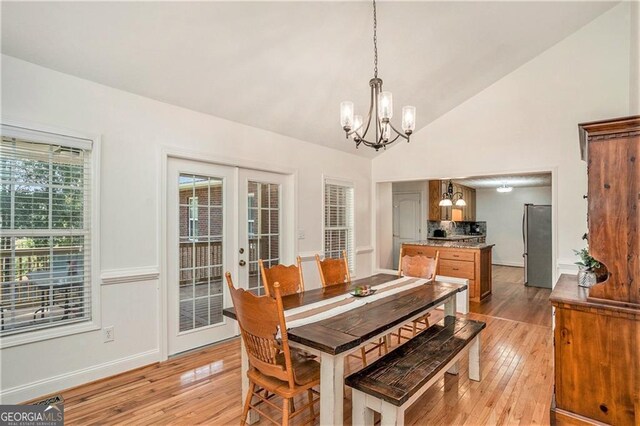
(203, 387)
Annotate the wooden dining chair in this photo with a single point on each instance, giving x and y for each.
(334, 272)
(274, 368)
(289, 277)
(418, 266)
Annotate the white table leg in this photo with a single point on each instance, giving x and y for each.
(450, 306)
(474, 359)
(362, 415)
(331, 389)
(390, 415)
(253, 417)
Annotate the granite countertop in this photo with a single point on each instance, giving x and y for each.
(458, 237)
(451, 244)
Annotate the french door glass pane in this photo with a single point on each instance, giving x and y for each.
(201, 248)
(263, 222)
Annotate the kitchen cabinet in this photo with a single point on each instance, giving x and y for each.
(437, 213)
(472, 262)
(597, 330)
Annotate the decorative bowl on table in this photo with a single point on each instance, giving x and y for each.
(363, 291)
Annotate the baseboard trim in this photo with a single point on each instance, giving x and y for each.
(515, 264)
(40, 388)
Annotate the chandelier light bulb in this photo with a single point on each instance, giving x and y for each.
(346, 115)
(357, 126)
(445, 203)
(386, 131)
(408, 119)
(461, 203)
(385, 105)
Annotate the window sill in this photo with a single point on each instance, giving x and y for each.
(42, 335)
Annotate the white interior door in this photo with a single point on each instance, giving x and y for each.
(200, 248)
(265, 229)
(406, 221)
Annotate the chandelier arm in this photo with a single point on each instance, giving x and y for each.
(398, 133)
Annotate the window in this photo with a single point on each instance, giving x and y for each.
(45, 231)
(338, 221)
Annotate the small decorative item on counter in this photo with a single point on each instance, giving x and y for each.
(588, 266)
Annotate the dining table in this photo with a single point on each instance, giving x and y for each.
(333, 322)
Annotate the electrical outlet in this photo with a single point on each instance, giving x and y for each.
(108, 334)
(301, 234)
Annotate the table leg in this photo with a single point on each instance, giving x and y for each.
(331, 389)
(450, 306)
(450, 310)
(253, 417)
(474, 359)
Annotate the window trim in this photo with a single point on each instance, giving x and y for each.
(53, 135)
(348, 183)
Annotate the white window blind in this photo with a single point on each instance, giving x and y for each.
(45, 233)
(339, 221)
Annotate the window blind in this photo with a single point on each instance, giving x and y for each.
(45, 233)
(339, 221)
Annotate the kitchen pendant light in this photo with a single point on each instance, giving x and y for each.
(504, 188)
(380, 111)
(450, 198)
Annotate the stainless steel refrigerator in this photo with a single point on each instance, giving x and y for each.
(536, 234)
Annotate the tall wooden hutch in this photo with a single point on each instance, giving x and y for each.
(597, 330)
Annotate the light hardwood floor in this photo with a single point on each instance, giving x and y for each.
(203, 387)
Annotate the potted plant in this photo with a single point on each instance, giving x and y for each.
(588, 265)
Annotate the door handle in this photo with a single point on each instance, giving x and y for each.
(242, 263)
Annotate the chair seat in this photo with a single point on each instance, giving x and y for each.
(306, 375)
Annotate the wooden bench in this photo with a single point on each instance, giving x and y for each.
(392, 383)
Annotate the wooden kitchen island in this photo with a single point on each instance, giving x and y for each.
(461, 260)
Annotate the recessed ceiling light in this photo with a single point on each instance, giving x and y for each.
(504, 188)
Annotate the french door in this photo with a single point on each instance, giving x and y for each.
(219, 219)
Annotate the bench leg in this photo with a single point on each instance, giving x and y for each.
(390, 415)
(362, 415)
(474, 359)
(455, 368)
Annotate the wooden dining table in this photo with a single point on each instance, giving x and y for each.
(332, 339)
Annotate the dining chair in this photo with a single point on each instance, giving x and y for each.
(274, 367)
(418, 266)
(289, 277)
(334, 272)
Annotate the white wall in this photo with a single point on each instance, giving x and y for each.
(503, 214)
(134, 130)
(527, 121)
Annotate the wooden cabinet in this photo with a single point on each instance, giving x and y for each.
(473, 264)
(437, 213)
(597, 330)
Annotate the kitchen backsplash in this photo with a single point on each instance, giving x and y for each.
(456, 228)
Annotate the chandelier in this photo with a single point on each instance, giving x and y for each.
(380, 111)
(450, 198)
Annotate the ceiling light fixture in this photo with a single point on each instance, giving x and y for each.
(380, 111)
(449, 196)
(504, 188)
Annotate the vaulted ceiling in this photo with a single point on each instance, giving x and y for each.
(285, 66)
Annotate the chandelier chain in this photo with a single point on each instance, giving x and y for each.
(375, 41)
